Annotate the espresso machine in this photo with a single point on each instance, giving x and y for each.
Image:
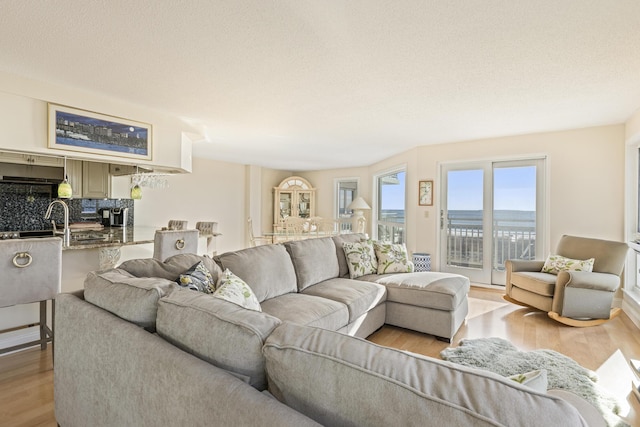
(114, 217)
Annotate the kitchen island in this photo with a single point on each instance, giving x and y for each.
(109, 241)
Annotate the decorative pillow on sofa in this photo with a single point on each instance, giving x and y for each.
(233, 289)
(537, 379)
(361, 258)
(392, 258)
(556, 263)
(197, 278)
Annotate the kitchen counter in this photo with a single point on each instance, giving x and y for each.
(113, 237)
(108, 242)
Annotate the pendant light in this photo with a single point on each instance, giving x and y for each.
(64, 188)
(136, 190)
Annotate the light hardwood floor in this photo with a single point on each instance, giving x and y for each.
(26, 378)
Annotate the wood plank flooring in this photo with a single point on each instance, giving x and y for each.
(26, 378)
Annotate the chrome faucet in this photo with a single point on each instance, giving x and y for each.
(66, 233)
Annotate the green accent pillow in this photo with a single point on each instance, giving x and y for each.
(233, 289)
(361, 258)
(392, 258)
(197, 278)
(556, 263)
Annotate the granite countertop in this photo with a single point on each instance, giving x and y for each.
(111, 237)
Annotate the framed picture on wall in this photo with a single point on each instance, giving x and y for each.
(425, 193)
(89, 132)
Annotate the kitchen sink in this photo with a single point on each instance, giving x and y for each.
(36, 233)
(88, 237)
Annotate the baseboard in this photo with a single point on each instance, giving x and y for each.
(10, 339)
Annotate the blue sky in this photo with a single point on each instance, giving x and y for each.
(514, 189)
(393, 195)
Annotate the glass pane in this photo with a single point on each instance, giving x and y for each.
(285, 205)
(304, 204)
(347, 191)
(391, 207)
(465, 198)
(514, 214)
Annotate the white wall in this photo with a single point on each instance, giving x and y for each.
(585, 171)
(214, 191)
(24, 112)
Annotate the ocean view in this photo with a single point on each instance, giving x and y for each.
(523, 219)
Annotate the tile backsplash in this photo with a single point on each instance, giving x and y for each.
(23, 207)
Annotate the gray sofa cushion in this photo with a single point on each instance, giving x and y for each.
(358, 296)
(308, 310)
(219, 332)
(266, 269)
(131, 298)
(340, 380)
(442, 291)
(109, 372)
(171, 268)
(342, 259)
(315, 260)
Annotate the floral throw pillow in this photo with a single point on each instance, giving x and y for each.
(556, 263)
(361, 258)
(233, 289)
(392, 258)
(197, 278)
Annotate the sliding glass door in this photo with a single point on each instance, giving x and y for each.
(491, 212)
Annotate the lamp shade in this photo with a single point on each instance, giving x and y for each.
(358, 204)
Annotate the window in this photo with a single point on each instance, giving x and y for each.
(346, 191)
(390, 209)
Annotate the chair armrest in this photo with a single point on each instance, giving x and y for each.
(605, 282)
(515, 265)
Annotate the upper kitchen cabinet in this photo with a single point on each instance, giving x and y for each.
(30, 159)
(293, 197)
(89, 180)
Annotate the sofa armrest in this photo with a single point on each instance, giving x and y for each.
(589, 413)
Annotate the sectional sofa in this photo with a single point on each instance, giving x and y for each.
(135, 349)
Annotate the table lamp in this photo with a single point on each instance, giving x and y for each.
(358, 206)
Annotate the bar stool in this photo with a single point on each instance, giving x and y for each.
(209, 230)
(167, 243)
(31, 272)
(177, 224)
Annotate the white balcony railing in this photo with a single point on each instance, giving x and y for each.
(512, 239)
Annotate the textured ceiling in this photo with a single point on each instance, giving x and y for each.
(302, 85)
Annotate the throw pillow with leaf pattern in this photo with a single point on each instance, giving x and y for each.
(361, 258)
(235, 290)
(556, 263)
(197, 278)
(392, 258)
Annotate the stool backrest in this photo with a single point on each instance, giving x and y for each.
(31, 270)
(168, 243)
